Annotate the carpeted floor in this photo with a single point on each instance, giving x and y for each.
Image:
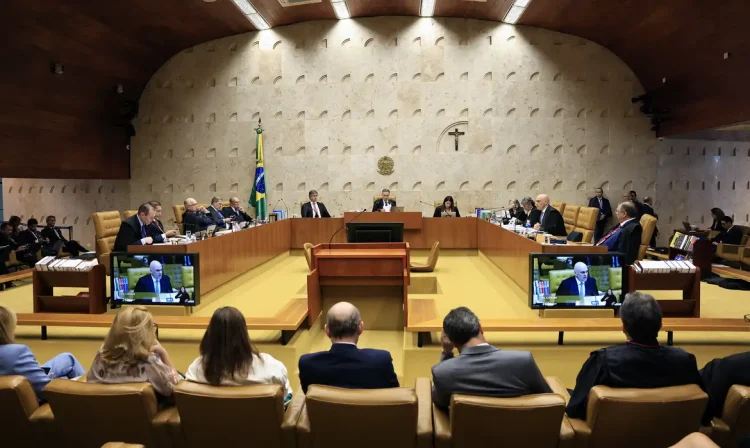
(463, 278)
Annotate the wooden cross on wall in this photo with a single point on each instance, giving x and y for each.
(456, 134)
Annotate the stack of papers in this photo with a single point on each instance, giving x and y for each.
(664, 267)
(51, 263)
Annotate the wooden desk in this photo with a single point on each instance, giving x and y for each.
(510, 251)
(228, 256)
(356, 265)
(411, 220)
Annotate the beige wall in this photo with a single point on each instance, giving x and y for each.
(71, 201)
(542, 112)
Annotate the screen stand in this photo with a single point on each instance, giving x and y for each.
(585, 313)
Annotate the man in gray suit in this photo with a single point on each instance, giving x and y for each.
(480, 369)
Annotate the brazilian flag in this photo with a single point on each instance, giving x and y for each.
(258, 195)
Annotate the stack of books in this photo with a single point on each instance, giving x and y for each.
(683, 242)
(663, 267)
(51, 263)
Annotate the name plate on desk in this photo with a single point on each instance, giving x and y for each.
(411, 220)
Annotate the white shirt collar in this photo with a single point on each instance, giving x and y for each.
(626, 221)
(139, 220)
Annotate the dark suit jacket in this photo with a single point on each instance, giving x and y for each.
(731, 236)
(721, 374)
(569, 287)
(632, 365)
(29, 237)
(307, 210)
(239, 216)
(130, 234)
(184, 297)
(629, 241)
(553, 222)
(53, 235)
(606, 208)
(533, 216)
(217, 218)
(609, 300)
(146, 284)
(639, 206)
(439, 211)
(347, 366)
(196, 221)
(648, 210)
(378, 205)
(156, 230)
(486, 371)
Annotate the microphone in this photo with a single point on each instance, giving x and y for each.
(426, 203)
(285, 206)
(339, 229)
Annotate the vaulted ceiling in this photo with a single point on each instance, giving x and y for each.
(102, 44)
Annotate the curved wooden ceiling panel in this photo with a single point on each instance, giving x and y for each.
(105, 43)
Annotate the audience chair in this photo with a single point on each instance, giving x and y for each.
(736, 252)
(396, 417)
(128, 213)
(106, 226)
(696, 440)
(431, 262)
(648, 223)
(560, 206)
(90, 415)
(643, 418)
(533, 420)
(440, 204)
(22, 421)
(237, 416)
(308, 254)
(570, 217)
(586, 223)
(734, 424)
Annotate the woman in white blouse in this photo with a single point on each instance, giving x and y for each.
(229, 359)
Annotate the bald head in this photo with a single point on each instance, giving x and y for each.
(343, 323)
(156, 269)
(542, 201)
(581, 271)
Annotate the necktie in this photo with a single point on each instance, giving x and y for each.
(156, 286)
(581, 289)
(57, 232)
(316, 212)
(600, 204)
(609, 234)
(143, 231)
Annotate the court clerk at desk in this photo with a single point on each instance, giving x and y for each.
(447, 210)
(384, 204)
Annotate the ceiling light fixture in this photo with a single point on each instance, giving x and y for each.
(427, 8)
(251, 14)
(341, 10)
(516, 11)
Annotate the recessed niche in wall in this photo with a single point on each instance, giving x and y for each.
(581, 150)
(301, 151)
(52, 189)
(604, 114)
(347, 114)
(440, 113)
(301, 115)
(581, 113)
(439, 76)
(167, 119)
(558, 113)
(534, 76)
(211, 153)
(558, 185)
(604, 150)
(323, 151)
(278, 151)
(369, 42)
(169, 189)
(393, 114)
(276, 44)
(233, 46)
(323, 187)
(534, 186)
(278, 187)
(486, 187)
(211, 48)
(323, 79)
(393, 77)
(393, 150)
(169, 154)
(487, 149)
(233, 116)
(718, 185)
(510, 148)
(190, 188)
(211, 118)
(149, 188)
(212, 188)
(301, 187)
(232, 82)
(370, 114)
(370, 150)
(347, 78)
(511, 186)
(510, 112)
(370, 186)
(347, 150)
(234, 152)
(417, 77)
(535, 149)
(278, 115)
(393, 186)
(534, 112)
(464, 113)
(347, 186)
(488, 76)
(464, 186)
(323, 43)
(88, 221)
(370, 77)
(581, 186)
(703, 185)
(487, 112)
(464, 76)
(417, 41)
(417, 113)
(345, 42)
(300, 80)
(190, 153)
(323, 114)
(211, 82)
(511, 76)
(417, 150)
(417, 186)
(557, 77)
(255, 81)
(440, 186)
(605, 186)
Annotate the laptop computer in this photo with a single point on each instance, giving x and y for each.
(397, 209)
(687, 226)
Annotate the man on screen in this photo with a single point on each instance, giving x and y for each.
(156, 282)
(580, 284)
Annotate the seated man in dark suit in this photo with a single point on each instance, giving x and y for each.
(157, 227)
(32, 238)
(639, 363)
(235, 211)
(195, 219)
(156, 282)
(314, 209)
(384, 204)
(580, 284)
(55, 237)
(730, 235)
(221, 221)
(8, 243)
(479, 368)
(137, 230)
(550, 220)
(625, 237)
(529, 215)
(721, 374)
(345, 365)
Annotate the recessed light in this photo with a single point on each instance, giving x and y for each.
(341, 10)
(251, 14)
(664, 80)
(516, 11)
(727, 55)
(427, 8)
(245, 7)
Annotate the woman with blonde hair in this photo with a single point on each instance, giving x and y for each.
(17, 359)
(132, 354)
(229, 359)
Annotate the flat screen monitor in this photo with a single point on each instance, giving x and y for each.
(155, 279)
(576, 280)
(375, 232)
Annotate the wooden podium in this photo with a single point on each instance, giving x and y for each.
(373, 276)
(411, 220)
